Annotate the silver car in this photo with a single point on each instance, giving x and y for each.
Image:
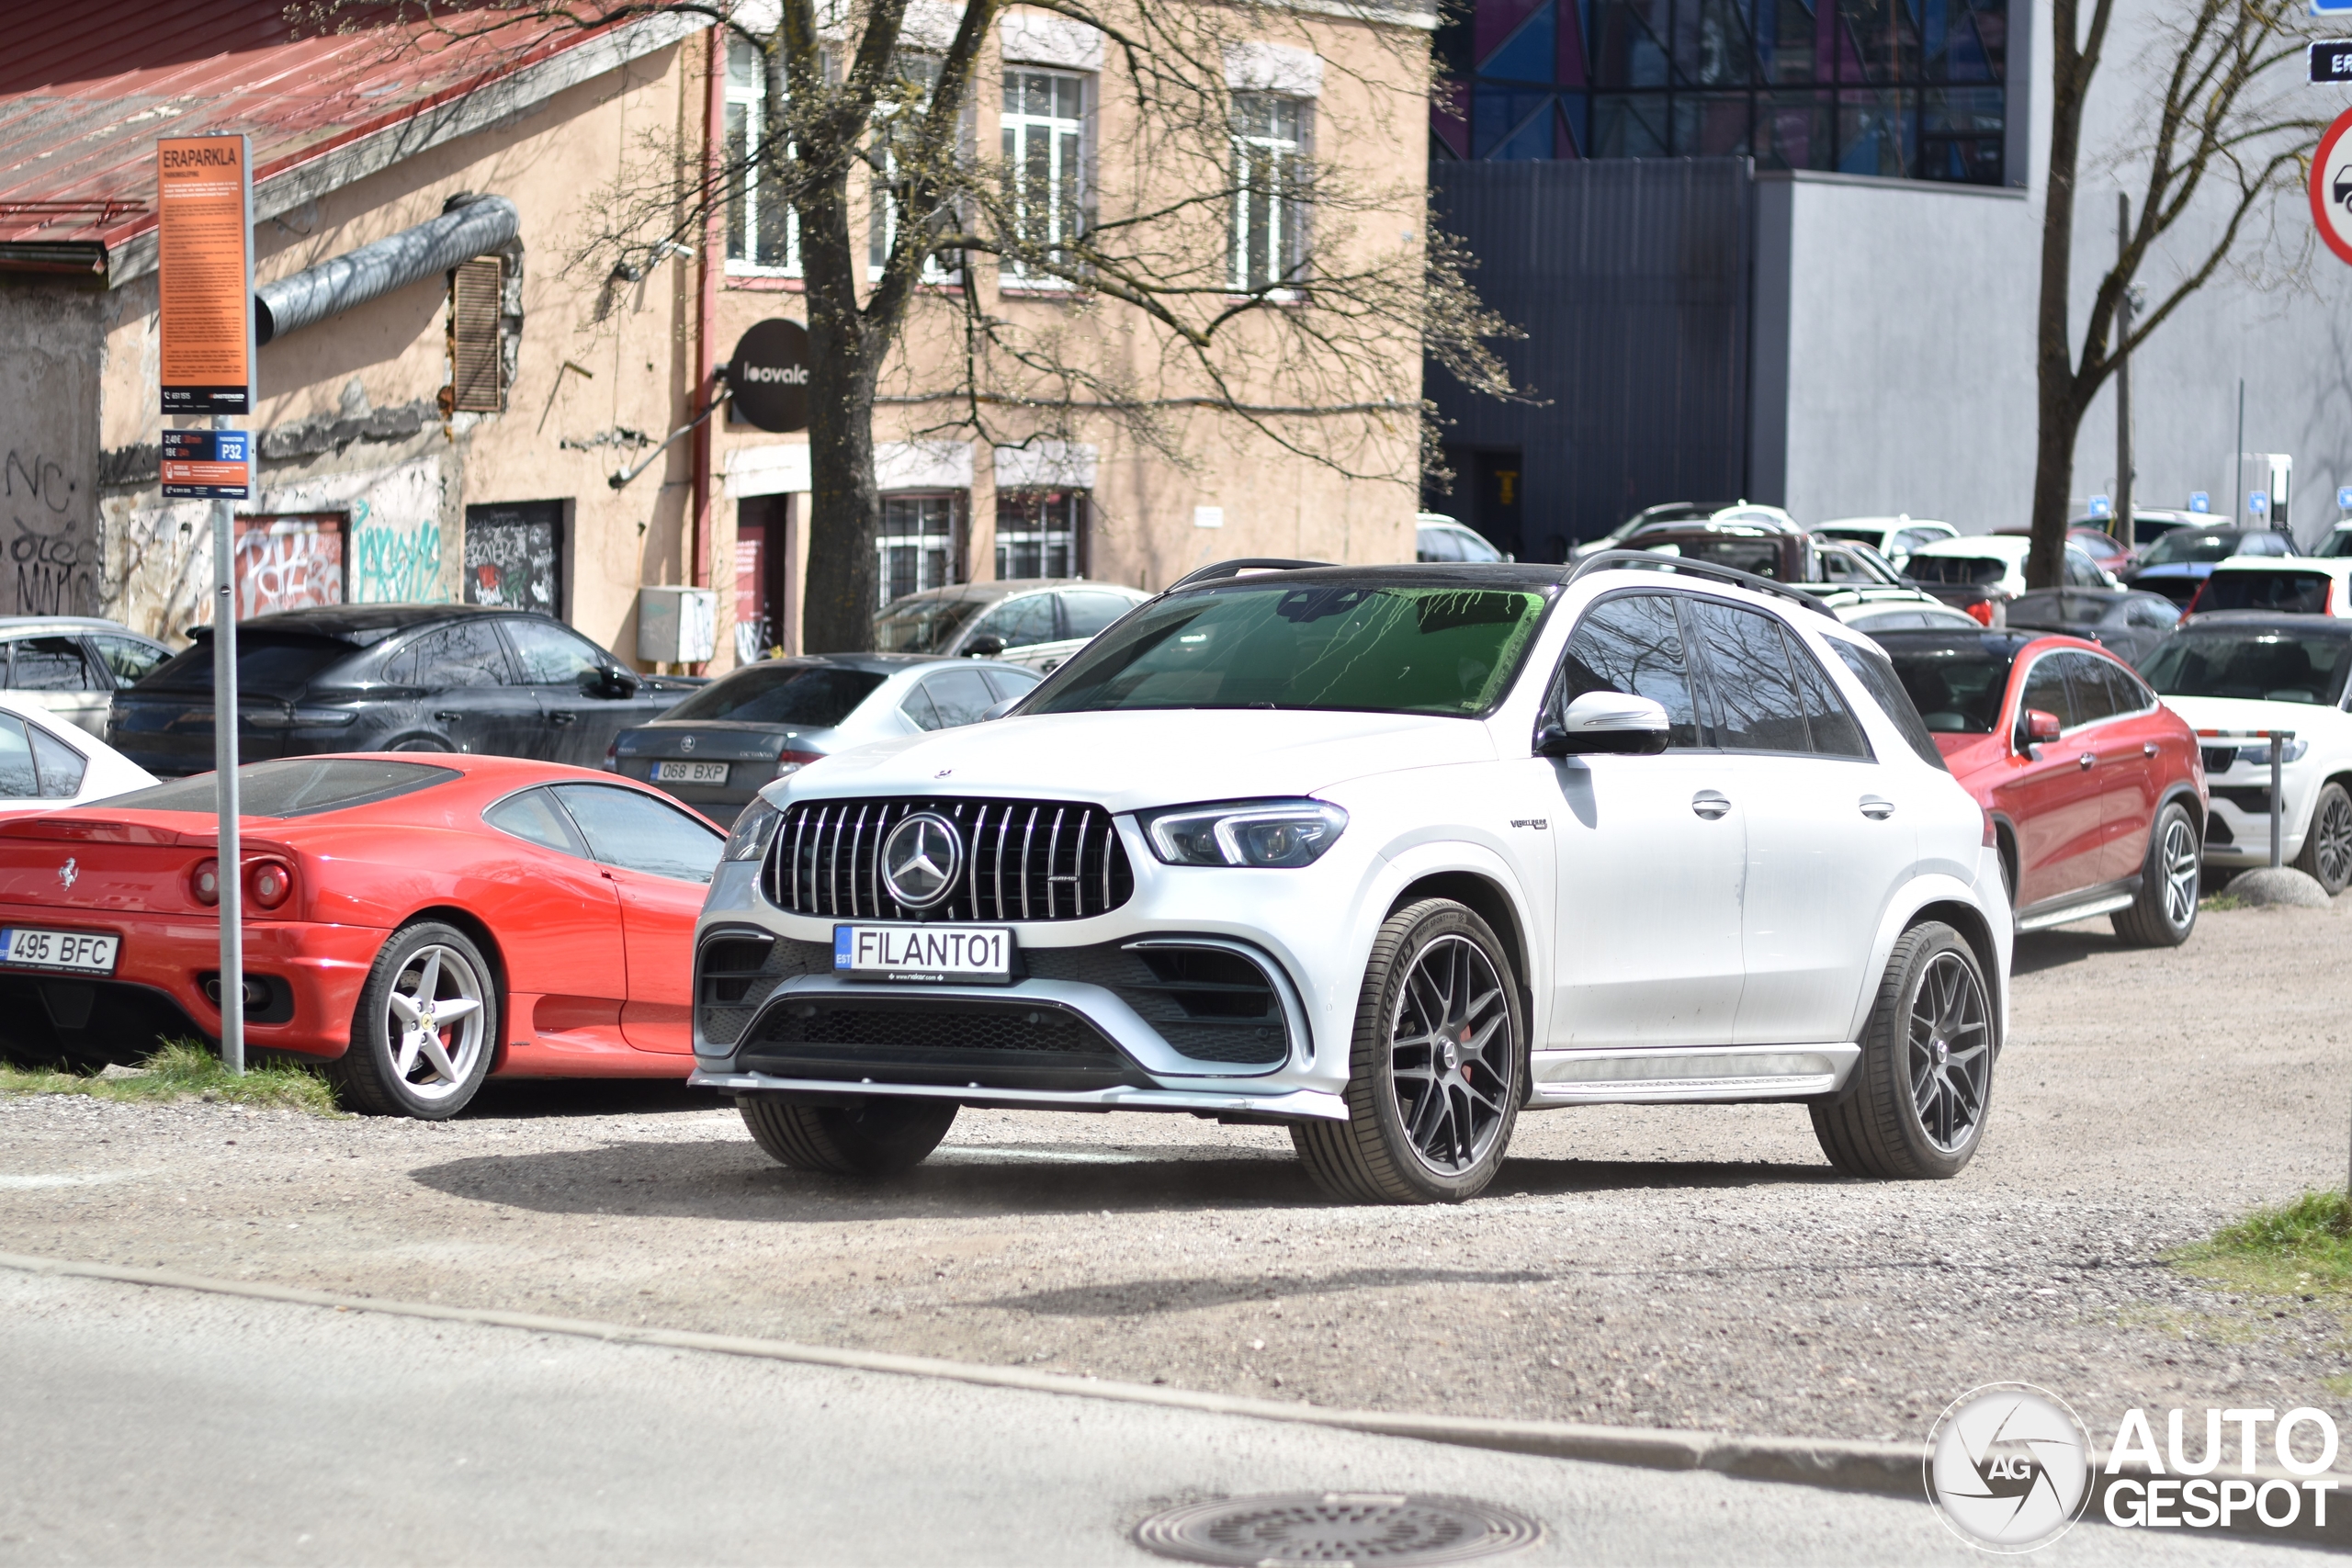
(72, 665)
(757, 724)
(1032, 621)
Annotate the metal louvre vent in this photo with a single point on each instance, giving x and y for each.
(475, 365)
(1023, 859)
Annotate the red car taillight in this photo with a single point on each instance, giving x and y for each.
(1981, 612)
(204, 882)
(269, 882)
(789, 760)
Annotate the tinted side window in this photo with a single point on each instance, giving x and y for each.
(2151, 616)
(1089, 609)
(467, 654)
(1876, 672)
(1011, 681)
(2086, 678)
(53, 664)
(128, 659)
(2046, 688)
(1436, 544)
(1020, 622)
(1831, 722)
(918, 709)
(1632, 644)
(534, 818)
(1755, 703)
(2081, 571)
(17, 780)
(631, 830)
(961, 695)
(547, 655)
(61, 766)
(2124, 689)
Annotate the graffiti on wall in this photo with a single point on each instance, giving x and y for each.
(514, 556)
(392, 547)
(289, 563)
(52, 556)
(394, 565)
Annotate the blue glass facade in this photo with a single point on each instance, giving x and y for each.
(1906, 88)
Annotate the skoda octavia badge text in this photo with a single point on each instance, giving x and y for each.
(919, 859)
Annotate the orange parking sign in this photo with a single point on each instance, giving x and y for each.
(204, 199)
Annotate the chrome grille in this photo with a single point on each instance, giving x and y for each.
(1024, 860)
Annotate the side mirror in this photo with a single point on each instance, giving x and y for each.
(611, 682)
(2034, 727)
(988, 645)
(1604, 722)
(998, 710)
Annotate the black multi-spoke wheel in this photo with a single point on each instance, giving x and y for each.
(1916, 1103)
(2166, 911)
(2327, 847)
(1438, 1068)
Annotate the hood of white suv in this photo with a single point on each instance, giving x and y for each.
(1134, 760)
(2306, 719)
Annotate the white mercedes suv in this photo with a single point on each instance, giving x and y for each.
(1386, 855)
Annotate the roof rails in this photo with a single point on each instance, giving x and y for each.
(1621, 560)
(1219, 571)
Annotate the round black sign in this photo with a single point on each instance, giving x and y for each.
(769, 376)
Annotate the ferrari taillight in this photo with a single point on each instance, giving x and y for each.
(269, 881)
(204, 882)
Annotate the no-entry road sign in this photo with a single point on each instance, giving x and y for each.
(2331, 187)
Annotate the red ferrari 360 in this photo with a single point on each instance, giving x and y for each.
(415, 925)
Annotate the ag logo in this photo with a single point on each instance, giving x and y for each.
(920, 857)
(2007, 1467)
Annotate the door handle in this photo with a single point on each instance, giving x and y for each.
(1877, 808)
(2147, 748)
(2086, 759)
(563, 716)
(447, 715)
(1710, 804)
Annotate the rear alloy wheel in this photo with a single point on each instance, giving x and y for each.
(425, 1028)
(1914, 1107)
(2327, 848)
(2165, 912)
(875, 1138)
(1437, 1070)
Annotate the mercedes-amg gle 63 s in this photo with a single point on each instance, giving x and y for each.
(1388, 855)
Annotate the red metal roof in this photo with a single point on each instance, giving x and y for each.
(85, 90)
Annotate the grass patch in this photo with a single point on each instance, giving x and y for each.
(2221, 901)
(180, 1070)
(2302, 1248)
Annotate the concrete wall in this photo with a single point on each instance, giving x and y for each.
(49, 547)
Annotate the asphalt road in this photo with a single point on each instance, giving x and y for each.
(1695, 1266)
(156, 1425)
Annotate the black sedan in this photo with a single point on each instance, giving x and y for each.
(717, 748)
(393, 678)
(2128, 621)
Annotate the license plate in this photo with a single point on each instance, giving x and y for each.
(690, 772)
(934, 955)
(81, 952)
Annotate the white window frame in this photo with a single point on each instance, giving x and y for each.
(1070, 168)
(752, 98)
(1080, 503)
(949, 545)
(882, 221)
(1288, 218)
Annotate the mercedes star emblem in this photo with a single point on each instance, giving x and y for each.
(920, 857)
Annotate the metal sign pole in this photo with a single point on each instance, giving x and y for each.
(224, 762)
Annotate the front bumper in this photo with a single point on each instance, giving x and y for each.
(2237, 823)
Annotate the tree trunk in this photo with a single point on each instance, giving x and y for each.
(845, 364)
(2057, 416)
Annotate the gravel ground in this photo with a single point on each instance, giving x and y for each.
(1672, 1266)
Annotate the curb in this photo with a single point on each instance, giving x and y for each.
(1893, 1470)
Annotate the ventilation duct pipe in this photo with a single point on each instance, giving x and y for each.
(476, 228)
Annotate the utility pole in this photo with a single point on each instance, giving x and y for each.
(2237, 463)
(2120, 524)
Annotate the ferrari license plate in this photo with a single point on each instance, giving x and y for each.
(932, 955)
(84, 953)
(690, 772)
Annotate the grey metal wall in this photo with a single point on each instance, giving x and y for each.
(1630, 280)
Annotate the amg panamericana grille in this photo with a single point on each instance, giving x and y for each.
(1023, 859)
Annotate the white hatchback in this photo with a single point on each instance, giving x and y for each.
(1386, 855)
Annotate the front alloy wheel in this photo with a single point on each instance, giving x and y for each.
(1438, 1067)
(2327, 848)
(425, 1028)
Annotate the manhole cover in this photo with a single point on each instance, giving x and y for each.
(1336, 1528)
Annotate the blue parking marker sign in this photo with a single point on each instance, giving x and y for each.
(2344, 498)
(2102, 506)
(2199, 501)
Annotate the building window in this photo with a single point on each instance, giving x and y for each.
(896, 124)
(1045, 153)
(763, 231)
(1040, 532)
(1906, 88)
(1270, 180)
(918, 544)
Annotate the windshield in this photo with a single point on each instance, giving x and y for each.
(2192, 545)
(1760, 558)
(299, 786)
(1957, 571)
(267, 666)
(1957, 686)
(2268, 666)
(2338, 542)
(1344, 646)
(816, 696)
(922, 626)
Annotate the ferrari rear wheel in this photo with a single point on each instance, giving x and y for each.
(426, 1029)
(874, 1139)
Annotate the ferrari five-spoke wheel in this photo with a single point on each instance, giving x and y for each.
(1915, 1105)
(874, 1139)
(2166, 911)
(2327, 848)
(1438, 1068)
(426, 1026)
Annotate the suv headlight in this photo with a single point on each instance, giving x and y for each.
(1245, 832)
(2259, 756)
(754, 832)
